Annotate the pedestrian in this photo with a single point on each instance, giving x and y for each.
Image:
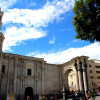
(28, 98)
(87, 96)
(97, 92)
(56, 98)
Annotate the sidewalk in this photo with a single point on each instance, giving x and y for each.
(97, 98)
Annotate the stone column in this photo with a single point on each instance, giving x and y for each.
(77, 81)
(85, 81)
(80, 75)
(80, 80)
(85, 78)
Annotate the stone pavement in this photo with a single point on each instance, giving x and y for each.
(97, 98)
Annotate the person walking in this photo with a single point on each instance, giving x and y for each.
(28, 98)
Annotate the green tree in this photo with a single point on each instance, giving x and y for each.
(87, 19)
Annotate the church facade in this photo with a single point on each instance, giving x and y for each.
(24, 76)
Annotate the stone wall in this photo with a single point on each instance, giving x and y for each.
(44, 77)
(51, 79)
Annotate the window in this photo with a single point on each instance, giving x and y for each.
(91, 77)
(90, 71)
(89, 65)
(98, 77)
(97, 71)
(28, 71)
(97, 66)
(3, 69)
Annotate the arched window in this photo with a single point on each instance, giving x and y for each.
(3, 69)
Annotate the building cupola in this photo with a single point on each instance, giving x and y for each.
(1, 34)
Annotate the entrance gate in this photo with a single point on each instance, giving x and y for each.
(29, 92)
(79, 66)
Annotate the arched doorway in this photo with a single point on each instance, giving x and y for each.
(69, 80)
(72, 81)
(29, 92)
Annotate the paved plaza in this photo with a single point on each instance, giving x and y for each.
(97, 98)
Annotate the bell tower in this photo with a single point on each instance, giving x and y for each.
(1, 34)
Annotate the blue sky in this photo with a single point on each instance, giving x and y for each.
(44, 29)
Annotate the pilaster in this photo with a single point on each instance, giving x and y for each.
(15, 74)
(8, 76)
(22, 79)
(42, 77)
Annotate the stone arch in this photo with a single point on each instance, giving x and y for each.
(67, 71)
(79, 65)
(29, 92)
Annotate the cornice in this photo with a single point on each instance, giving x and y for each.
(23, 57)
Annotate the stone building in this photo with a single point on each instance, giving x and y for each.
(94, 73)
(30, 76)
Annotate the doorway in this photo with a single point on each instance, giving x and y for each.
(29, 92)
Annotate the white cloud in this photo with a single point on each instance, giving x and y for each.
(40, 17)
(32, 21)
(52, 41)
(93, 51)
(5, 4)
(14, 36)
